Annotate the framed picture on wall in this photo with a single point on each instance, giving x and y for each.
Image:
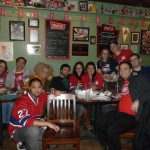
(17, 30)
(79, 49)
(80, 34)
(33, 35)
(33, 23)
(135, 37)
(83, 5)
(92, 39)
(124, 46)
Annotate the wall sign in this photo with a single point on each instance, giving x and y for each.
(57, 33)
(105, 34)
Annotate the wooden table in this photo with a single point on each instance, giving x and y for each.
(4, 99)
(94, 102)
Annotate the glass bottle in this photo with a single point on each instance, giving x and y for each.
(94, 7)
(102, 9)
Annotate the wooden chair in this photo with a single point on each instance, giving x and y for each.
(127, 135)
(61, 110)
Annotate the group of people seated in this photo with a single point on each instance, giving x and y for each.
(123, 66)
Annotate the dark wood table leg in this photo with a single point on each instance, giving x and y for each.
(1, 131)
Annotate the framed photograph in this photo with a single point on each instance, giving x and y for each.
(83, 5)
(79, 49)
(124, 46)
(33, 23)
(33, 49)
(80, 34)
(92, 39)
(135, 37)
(145, 42)
(33, 35)
(17, 30)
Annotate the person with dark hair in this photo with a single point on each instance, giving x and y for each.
(75, 77)
(15, 81)
(107, 66)
(134, 93)
(91, 78)
(119, 55)
(26, 123)
(135, 60)
(61, 84)
(3, 74)
(94, 80)
(19, 76)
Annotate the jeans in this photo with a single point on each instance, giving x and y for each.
(6, 111)
(79, 110)
(31, 135)
(111, 125)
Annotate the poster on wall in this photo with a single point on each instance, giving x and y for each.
(105, 34)
(6, 51)
(145, 42)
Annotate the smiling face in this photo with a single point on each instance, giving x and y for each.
(105, 54)
(79, 69)
(135, 61)
(90, 70)
(20, 64)
(35, 89)
(125, 71)
(114, 48)
(2, 67)
(44, 73)
(65, 71)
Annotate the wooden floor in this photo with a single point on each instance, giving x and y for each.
(87, 142)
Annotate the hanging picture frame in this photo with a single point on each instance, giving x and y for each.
(135, 37)
(17, 30)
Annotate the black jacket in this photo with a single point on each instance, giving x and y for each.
(139, 89)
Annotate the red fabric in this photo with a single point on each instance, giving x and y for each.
(26, 111)
(19, 80)
(125, 101)
(123, 56)
(98, 81)
(74, 81)
(3, 78)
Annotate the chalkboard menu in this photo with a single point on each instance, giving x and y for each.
(57, 39)
(145, 42)
(105, 34)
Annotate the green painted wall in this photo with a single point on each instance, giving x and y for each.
(75, 17)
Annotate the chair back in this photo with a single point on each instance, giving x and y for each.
(61, 109)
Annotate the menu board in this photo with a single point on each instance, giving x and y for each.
(145, 42)
(57, 39)
(105, 34)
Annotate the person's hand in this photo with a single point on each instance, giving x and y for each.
(53, 126)
(93, 87)
(118, 95)
(135, 105)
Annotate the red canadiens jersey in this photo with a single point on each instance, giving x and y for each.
(26, 111)
(123, 56)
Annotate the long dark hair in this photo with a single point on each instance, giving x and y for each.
(3, 61)
(75, 72)
(107, 49)
(92, 64)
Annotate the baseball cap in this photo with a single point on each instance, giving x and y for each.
(114, 42)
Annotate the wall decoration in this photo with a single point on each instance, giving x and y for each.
(135, 37)
(125, 33)
(33, 49)
(145, 42)
(17, 30)
(80, 34)
(6, 51)
(33, 35)
(134, 48)
(73, 5)
(105, 34)
(92, 39)
(124, 46)
(33, 23)
(57, 39)
(83, 5)
(80, 49)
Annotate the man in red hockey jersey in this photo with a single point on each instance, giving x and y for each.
(25, 122)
